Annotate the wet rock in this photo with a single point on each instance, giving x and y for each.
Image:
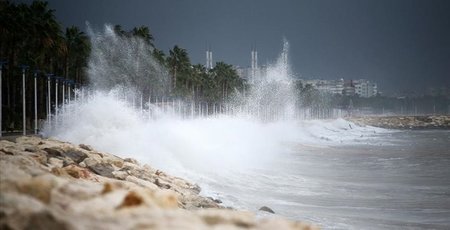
(215, 200)
(53, 152)
(102, 169)
(85, 147)
(266, 209)
(76, 155)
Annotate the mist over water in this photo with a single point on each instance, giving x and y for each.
(314, 170)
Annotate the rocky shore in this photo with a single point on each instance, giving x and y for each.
(49, 184)
(404, 122)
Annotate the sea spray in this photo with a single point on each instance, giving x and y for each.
(121, 71)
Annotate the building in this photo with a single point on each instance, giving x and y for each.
(360, 87)
(326, 86)
(365, 88)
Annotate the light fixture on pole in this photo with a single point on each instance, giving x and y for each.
(24, 109)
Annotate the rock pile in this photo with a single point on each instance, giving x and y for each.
(49, 184)
(405, 122)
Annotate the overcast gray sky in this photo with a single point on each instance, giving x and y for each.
(401, 44)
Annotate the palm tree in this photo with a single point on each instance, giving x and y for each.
(226, 77)
(77, 44)
(119, 31)
(160, 56)
(178, 63)
(144, 33)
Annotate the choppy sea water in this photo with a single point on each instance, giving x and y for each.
(395, 180)
(329, 172)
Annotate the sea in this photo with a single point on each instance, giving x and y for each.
(400, 180)
(332, 173)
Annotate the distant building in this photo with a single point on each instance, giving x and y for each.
(365, 88)
(326, 86)
(349, 88)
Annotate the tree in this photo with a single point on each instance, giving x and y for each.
(144, 33)
(226, 76)
(78, 48)
(179, 65)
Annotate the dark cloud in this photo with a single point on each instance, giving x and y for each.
(402, 44)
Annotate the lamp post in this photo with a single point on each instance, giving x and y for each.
(35, 101)
(57, 79)
(24, 122)
(49, 102)
(63, 81)
(70, 83)
(1, 92)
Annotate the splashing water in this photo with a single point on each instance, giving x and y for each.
(120, 65)
(272, 96)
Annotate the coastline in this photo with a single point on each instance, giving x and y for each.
(50, 184)
(405, 122)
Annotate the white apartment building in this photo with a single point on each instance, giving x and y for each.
(365, 88)
(361, 87)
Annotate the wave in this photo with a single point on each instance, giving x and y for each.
(200, 144)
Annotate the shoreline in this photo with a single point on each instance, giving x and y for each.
(47, 184)
(424, 122)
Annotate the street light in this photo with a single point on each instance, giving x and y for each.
(24, 122)
(49, 102)
(36, 72)
(57, 79)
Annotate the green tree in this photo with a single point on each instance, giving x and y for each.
(144, 33)
(179, 66)
(78, 48)
(227, 78)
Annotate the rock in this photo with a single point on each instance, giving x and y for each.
(143, 183)
(121, 175)
(55, 162)
(77, 172)
(39, 187)
(53, 152)
(131, 199)
(215, 200)
(131, 160)
(45, 220)
(90, 161)
(103, 169)
(76, 155)
(85, 147)
(266, 209)
(101, 191)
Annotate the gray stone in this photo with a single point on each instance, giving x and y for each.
(102, 169)
(76, 155)
(266, 209)
(85, 147)
(53, 152)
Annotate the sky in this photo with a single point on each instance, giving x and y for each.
(403, 45)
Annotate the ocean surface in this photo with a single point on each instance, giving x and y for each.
(391, 180)
(330, 172)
